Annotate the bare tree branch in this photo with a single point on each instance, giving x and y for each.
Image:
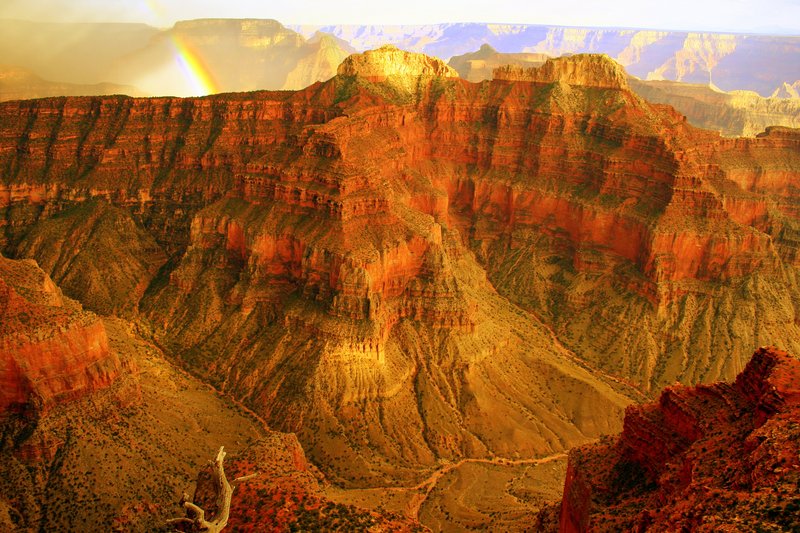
(224, 494)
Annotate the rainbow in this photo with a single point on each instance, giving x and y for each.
(194, 69)
(191, 64)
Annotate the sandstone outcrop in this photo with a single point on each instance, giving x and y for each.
(469, 272)
(708, 458)
(51, 351)
(388, 61)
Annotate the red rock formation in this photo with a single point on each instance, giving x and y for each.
(701, 459)
(347, 255)
(50, 350)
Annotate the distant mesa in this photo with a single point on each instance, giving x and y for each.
(389, 61)
(17, 83)
(478, 66)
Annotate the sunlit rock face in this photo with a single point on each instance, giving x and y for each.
(409, 274)
(389, 61)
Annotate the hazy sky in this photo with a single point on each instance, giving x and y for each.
(763, 16)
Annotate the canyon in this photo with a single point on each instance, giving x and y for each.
(421, 277)
(101, 431)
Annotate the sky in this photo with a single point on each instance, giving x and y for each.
(756, 16)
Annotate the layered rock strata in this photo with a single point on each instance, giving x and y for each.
(51, 351)
(357, 260)
(734, 114)
(708, 458)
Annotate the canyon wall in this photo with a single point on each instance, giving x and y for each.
(418, 268)
(51, 350)
(734, 114)
(705, 458)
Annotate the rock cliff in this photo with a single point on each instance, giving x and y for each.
(388, 61)
(401, 278)
(51, 351)
(708, 458)
(734, 114)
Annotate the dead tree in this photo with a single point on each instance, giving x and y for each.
(224, 493)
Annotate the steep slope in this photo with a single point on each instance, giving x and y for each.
(119, 458)
(100, 431)
(17, 83)
(716, 457)
(51, 350)
(325, 300)
(96, 252)
(407, 268)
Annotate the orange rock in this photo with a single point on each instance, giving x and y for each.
(50, 352)
(707, 457)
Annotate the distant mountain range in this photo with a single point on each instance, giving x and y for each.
(760, 63)
(248, 54)
(233, 55)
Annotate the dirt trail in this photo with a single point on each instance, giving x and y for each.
(417, 500)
